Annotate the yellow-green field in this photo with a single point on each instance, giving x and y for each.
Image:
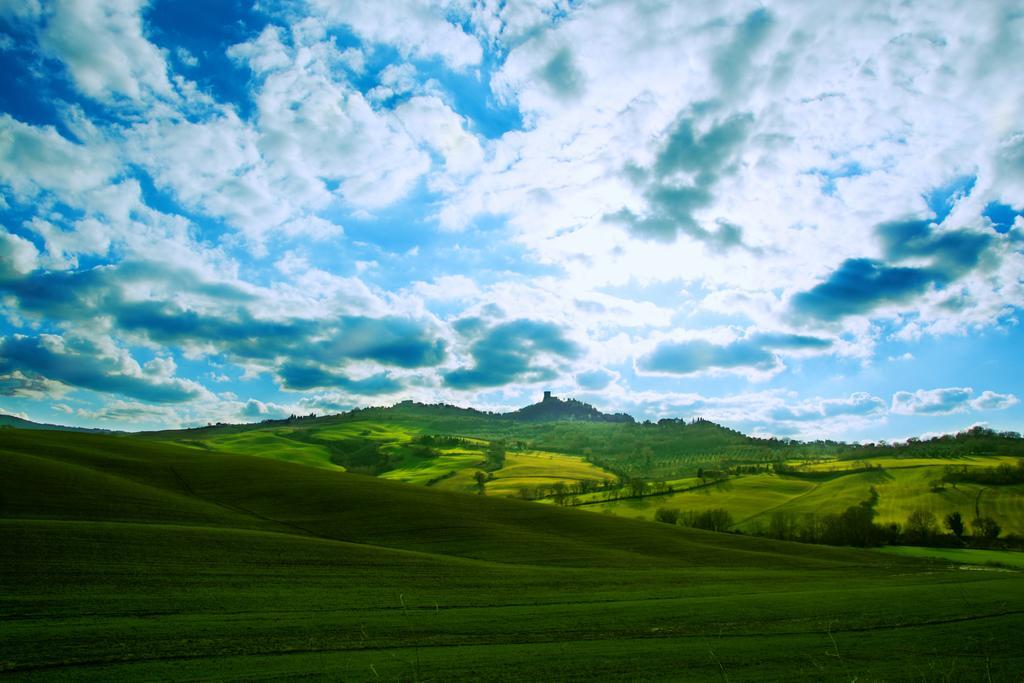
(901, 463)
(540, 468)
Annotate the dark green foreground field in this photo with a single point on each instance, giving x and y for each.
(125, 559)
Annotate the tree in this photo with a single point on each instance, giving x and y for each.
(495, 456)
(666, 515)
(920, 526)
(637, 487)
(481, 481)
(986, 527)
(560, 493)
(955, 523)
(783, 525)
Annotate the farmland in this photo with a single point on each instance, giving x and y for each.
(128, 559)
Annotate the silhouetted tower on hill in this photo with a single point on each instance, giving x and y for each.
(547, 395)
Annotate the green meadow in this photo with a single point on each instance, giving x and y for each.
(132, 559)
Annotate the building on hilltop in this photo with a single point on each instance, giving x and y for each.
(548, 396)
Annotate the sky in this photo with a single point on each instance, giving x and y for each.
(800, 219)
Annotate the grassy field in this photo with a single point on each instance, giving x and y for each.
(275, 444)
(132, 560)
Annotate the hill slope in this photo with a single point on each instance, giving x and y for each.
(22, 423)
(131, 559)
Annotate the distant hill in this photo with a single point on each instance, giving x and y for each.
(553, 409)
(21, 423)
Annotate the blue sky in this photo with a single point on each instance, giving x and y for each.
(791, 218)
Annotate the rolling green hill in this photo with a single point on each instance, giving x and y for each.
(129, 559)
(21, 423)
(594, 460)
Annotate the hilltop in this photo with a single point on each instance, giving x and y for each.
(553, 409)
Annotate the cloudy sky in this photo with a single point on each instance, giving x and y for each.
(800, 218)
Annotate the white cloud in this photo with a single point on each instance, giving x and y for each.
(215, 166)
(263, 54)
(948, 400)
(872, 96)
(186, 57)
(417, 29)
(20, 9)
(431, 121)
(314, 126)
(103, 46)
(18, 384)
(87, 236)
(35, 159)
(395, 79)
(263, 411)
(18, 256)
(990, 400)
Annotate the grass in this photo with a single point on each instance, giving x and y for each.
(275, 444)
(131, 560)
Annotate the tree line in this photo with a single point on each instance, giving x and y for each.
(855, 526)
(1000, 475)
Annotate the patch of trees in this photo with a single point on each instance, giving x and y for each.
(481, 478)
(495, 459)
(923, 528)
(360, 457)
(715, 519)
(626, 488)
(441, 477)
(355, 455)
(716, 475)
(564, 493)
(791, 471)
(424, 451)
(1000, 475)
(445, 441)
(856, 527)
(756, 468)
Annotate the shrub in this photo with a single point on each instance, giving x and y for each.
(667, 515)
